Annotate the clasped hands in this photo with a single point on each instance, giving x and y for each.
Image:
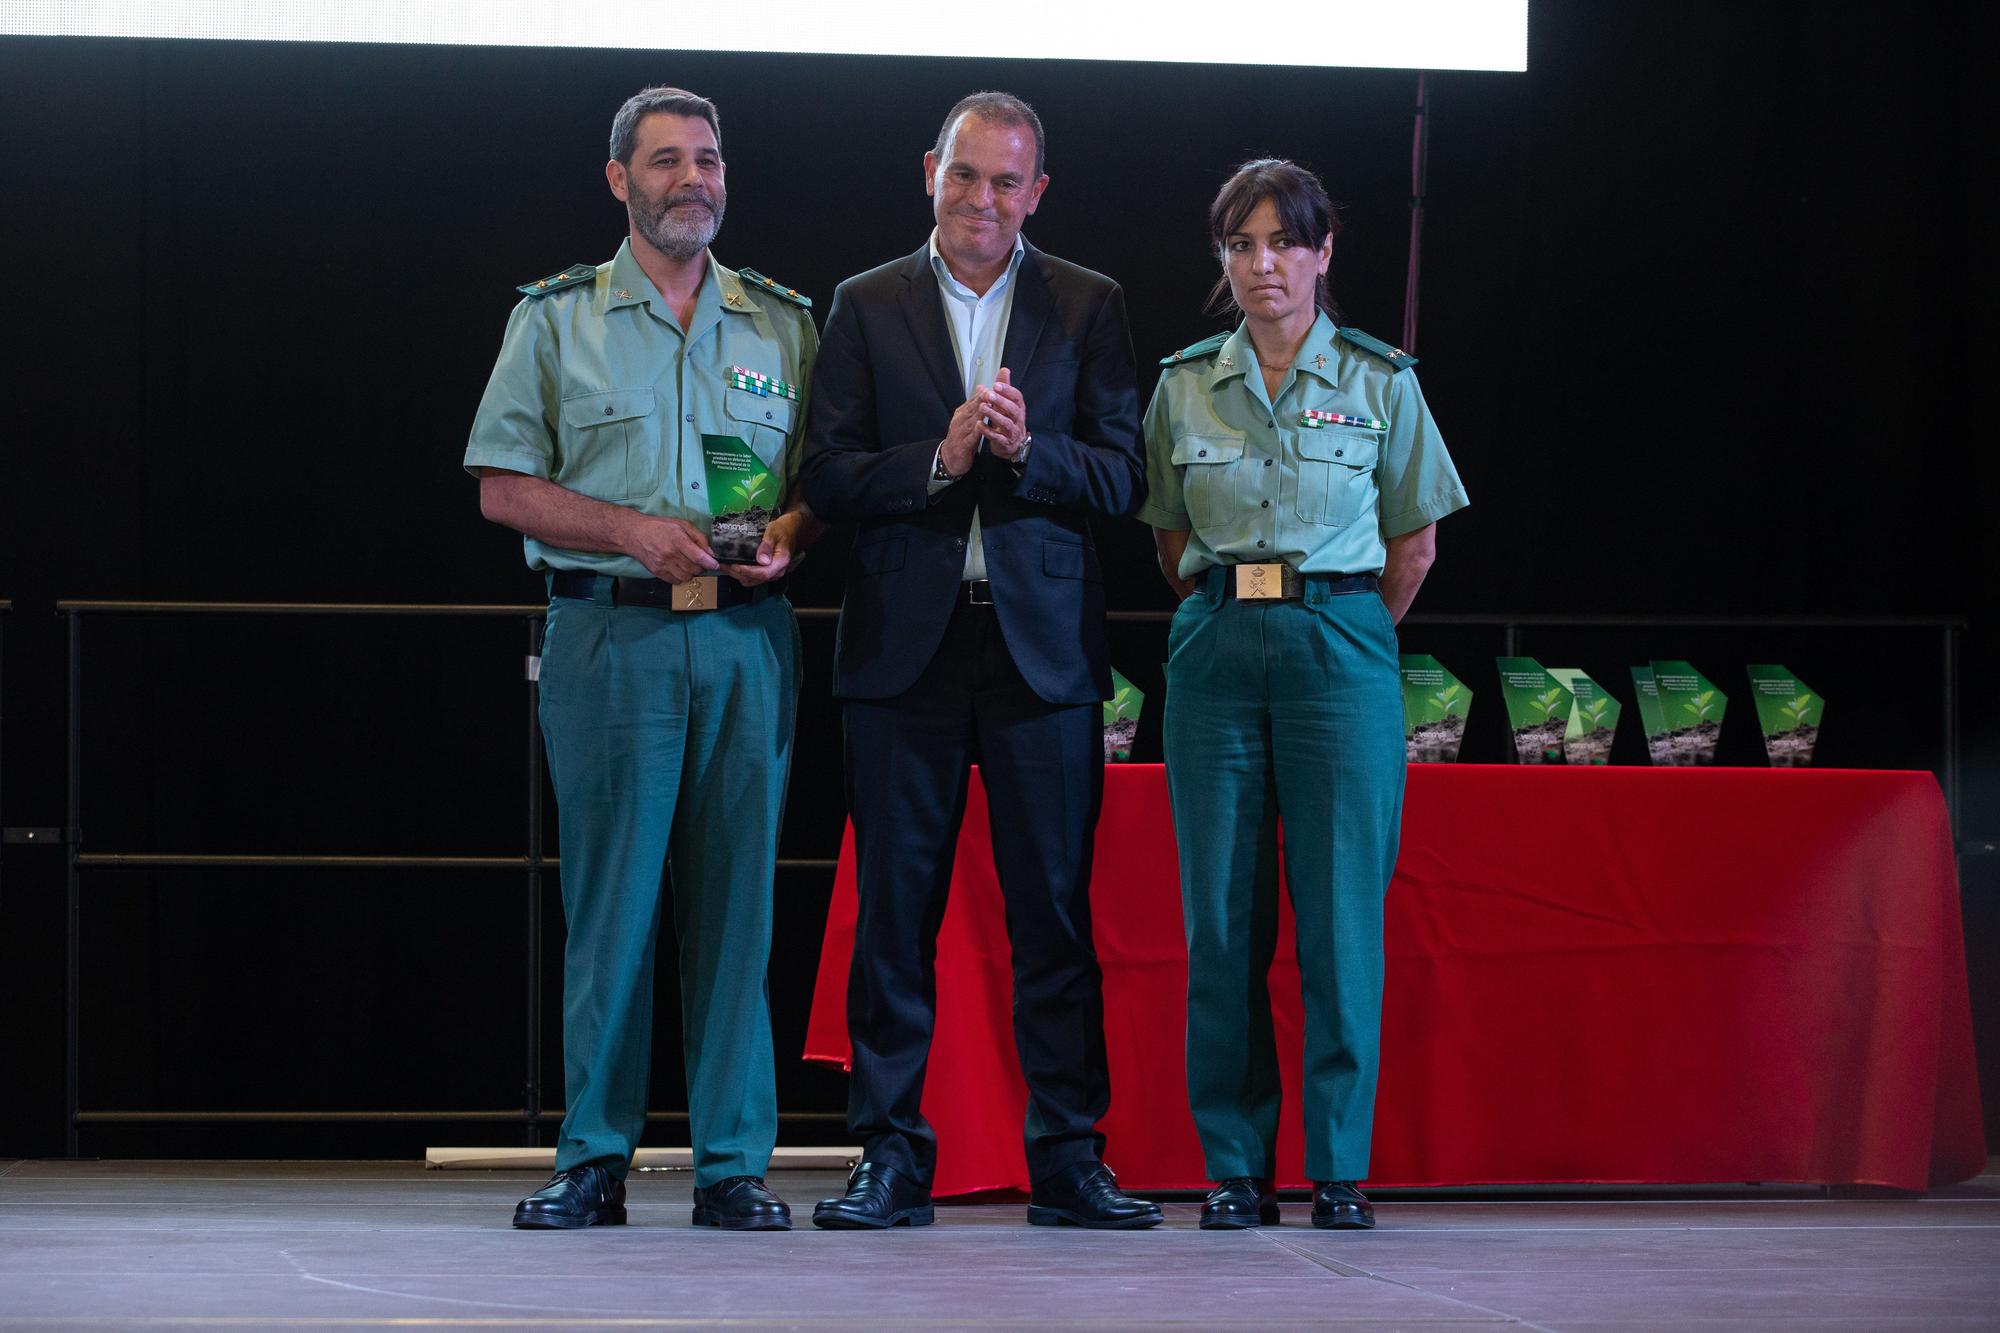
(996, 414)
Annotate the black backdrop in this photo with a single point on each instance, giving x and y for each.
(1704, 313)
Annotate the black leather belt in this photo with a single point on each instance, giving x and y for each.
(727, 592)
(975, 592)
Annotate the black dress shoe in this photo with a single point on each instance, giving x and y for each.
(1240, 1201)
(740, 1203)
(877, 1196)
(1087, 1195)
(1338, 1206)
(583, 1196)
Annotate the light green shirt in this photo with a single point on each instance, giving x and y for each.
(1241, 474)
(600, 390)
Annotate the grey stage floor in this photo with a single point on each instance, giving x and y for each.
(259, 1244)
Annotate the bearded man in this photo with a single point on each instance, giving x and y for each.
(668, 675)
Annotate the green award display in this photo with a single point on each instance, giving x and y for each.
(1788, 714)
(1121, 718)
(1435, 703)
(742, 499)
(1691, 708)
(1593, 718)
(1652, 720)
(1537, 710)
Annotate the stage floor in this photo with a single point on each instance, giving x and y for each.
(291, 1244)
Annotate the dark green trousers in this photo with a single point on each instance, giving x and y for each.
(669, 740)
(1287, 710)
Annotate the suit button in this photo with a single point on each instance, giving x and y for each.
(1202, 453)
(958, 543)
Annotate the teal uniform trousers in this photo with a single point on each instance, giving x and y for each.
(1284, 710)
(669, 740)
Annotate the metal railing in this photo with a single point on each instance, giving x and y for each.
(531, 864)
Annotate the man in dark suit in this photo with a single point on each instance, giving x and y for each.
(973, 405)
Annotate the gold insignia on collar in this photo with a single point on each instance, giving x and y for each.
(734, 298)
(1319, 361)
(623, 293)
(1224, 362)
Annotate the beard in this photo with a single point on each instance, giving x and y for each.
(680, 234)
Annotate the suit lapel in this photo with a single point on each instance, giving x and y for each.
(923, 309)
(1025, 320)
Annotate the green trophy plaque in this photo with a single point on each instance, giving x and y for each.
(742, 499)
(1787, 713)
(1691, 707)
(1435, 703)
(1121, 718)
(1653, 721)
(1537, 710)
(1593, 718)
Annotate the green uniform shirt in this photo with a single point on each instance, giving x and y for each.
(600, 390)
(1249, 482)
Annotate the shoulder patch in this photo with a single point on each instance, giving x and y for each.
(1395, 356)
(569, 277)
(778, 289)
(1206, 347)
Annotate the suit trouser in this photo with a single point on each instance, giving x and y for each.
(1043, 769)
(669, 740)
(1291, 710)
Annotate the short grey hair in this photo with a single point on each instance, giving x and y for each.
(1001, 109)
(658, 98)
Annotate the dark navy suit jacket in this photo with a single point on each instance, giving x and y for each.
(883, 391)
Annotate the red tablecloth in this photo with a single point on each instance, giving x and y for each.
(1602, 974)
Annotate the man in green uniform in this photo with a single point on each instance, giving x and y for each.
(668, 679)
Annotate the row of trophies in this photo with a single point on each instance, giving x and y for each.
(1559, 715)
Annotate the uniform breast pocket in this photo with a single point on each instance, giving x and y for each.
(610, 444)
(1208, 466)
(763, 423)
(1336, 475)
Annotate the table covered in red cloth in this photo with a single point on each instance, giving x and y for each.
(1625, 975)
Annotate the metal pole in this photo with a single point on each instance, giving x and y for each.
(1420, 152)
(73, 891)
(1951, 737)
(531, 1097)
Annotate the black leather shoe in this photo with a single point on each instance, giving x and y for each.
(877, 1196)
(740, 1203)
(1240, 1201)
(1087, 1195)
(1338, 1206)
(583, 1196)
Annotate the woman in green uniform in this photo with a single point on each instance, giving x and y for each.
(1295, 479)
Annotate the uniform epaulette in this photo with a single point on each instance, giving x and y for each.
(791, 294)
(569, 277)
(1206, 347)
(1395, 356)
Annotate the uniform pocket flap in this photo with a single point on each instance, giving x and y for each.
(1208, 449)
(760, 410)
(584, 410)
(1351, 448)
(1070, 560)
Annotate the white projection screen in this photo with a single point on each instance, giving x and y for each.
(1380, 34)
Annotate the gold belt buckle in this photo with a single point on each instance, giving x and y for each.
(697, 594)
(1267, 582)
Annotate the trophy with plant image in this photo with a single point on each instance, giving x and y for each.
(1787, 713)
(742, 496)
(1435, 704)
(1593, 719)
(1121, 718)
(1691, 710)
(1538, 710)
